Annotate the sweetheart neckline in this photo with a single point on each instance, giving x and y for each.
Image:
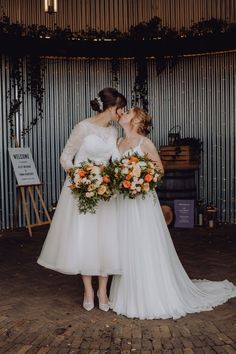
(131, 148)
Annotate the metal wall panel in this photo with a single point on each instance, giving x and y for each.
(120, 14)
(198, 94)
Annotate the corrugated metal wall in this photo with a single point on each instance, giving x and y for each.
(107, 14)
(198, 93)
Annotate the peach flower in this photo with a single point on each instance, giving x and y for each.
(146, 187)
(148, 178)
(102, 190)
(126, 184)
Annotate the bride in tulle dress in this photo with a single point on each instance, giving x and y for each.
(86, 244)
(153, 284)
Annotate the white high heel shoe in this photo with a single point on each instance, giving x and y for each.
(103, 307)
(88, 306)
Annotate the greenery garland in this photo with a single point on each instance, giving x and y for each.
(17, 89)
(151, 30)
(35, 71)
(115, 68)
(146, 31)
(140, 89)
(15, 92)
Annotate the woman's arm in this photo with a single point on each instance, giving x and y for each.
(72, 146)
(149, 148)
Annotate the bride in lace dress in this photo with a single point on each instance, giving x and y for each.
(153, 283)
(86, 244)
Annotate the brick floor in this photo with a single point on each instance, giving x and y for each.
(40, 310)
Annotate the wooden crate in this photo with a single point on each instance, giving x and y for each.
(180, 157)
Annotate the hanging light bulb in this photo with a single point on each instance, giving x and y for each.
(50, 6)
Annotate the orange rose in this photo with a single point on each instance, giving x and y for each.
(72, 186)
(106, 179)
(148, 178)
(82, 173)
(133, 159)
(129, 176)
(126, 184)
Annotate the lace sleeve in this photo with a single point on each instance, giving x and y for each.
(72, 146)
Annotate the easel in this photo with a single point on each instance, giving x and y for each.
(21, 194)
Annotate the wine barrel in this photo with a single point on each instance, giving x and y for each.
(177, 184)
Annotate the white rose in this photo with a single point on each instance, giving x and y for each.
(141, 164)
(99, 180)
(95, 170)
(91, 187)
(89, 194)
(97, 184)
(125, 171)
(136, 171)
(140, 181)
(138, 189)
(85, 180)
(125, 161)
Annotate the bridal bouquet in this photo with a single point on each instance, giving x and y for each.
(136, 175)
(90, 182)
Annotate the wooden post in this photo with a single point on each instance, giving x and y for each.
(22, 191)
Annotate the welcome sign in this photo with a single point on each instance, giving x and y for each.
(24, 166)
(184, 213)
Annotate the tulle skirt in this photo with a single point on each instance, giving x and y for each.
(78, 243)
(154, 284)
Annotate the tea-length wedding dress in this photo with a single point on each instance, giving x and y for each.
(154, 283)
(78, 243)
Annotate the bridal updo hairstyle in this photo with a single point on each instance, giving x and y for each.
(143, 120)
(109, 97)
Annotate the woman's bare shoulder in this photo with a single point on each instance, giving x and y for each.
(148, 143)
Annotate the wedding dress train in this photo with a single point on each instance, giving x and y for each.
(154, 284)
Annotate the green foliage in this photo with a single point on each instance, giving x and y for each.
(151, 30)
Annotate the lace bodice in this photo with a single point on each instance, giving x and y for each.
(88, 141)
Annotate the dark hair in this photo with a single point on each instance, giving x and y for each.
(144, 121)
(109, 97)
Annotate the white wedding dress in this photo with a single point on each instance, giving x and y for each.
(154, 283)
(78, 243)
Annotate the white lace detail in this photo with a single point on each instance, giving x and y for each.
(88, 140)
(73, 145)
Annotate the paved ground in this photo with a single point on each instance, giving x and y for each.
(40, 310)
